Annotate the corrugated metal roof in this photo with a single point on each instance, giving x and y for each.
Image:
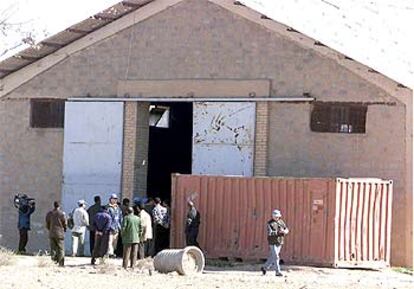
(63, 38)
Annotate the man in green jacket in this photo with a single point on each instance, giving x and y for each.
(131, 232)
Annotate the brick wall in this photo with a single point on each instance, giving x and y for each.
(261, 139)
(129, 149)
(135, 149)
(141, 148)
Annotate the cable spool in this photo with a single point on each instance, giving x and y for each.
(187, 261)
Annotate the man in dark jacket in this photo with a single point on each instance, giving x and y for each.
(276, 231)
(25, 211)
(192, 225)
(124, 208)
(102, 225)
(92, 211)
(56, 224)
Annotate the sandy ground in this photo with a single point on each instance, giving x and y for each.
(38, 272)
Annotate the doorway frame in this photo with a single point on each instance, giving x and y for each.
(138, 93)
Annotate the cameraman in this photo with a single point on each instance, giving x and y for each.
(26, 208)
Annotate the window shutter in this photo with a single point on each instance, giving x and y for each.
(46, 113)
(338, 117)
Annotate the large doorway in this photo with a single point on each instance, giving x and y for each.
(170, 144)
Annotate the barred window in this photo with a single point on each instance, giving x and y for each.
(47, 113)
(338, 117)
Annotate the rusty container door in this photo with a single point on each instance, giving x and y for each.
(363, 222)
(318, 223)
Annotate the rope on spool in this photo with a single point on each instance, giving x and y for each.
(187, 261)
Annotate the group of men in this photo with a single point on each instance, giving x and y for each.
(143, 230)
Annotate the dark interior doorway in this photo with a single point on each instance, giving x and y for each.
(170, 144)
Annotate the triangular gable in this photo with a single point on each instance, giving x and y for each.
(138, 11)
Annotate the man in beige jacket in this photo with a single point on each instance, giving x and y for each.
(146, 222)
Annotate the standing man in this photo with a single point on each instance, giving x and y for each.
(131, 237)
(147, 229)
(149, 207)
(56, 225)
(80, 222)
(26, 209)
(92, 211)
(116, 220)
(161, 226)
(102, 225)
(276, 232)
(192, 225)
(125, 205)
(124, 208)
(141, 253)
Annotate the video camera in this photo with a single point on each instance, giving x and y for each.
(23, 201)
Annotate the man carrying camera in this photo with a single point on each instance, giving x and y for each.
(26, 207)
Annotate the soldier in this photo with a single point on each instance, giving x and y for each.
(56, 224)
(276, 231)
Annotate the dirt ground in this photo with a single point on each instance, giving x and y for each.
(26, 272)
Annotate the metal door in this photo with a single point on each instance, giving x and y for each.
(92, 154)
(223, 138)
(318, 203)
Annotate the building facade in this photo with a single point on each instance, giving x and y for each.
(310, 111)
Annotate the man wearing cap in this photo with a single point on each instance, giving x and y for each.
(191, 225)
(80, 222)
(116, 220)
(276, 231)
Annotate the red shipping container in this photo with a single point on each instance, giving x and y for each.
(333, 221)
